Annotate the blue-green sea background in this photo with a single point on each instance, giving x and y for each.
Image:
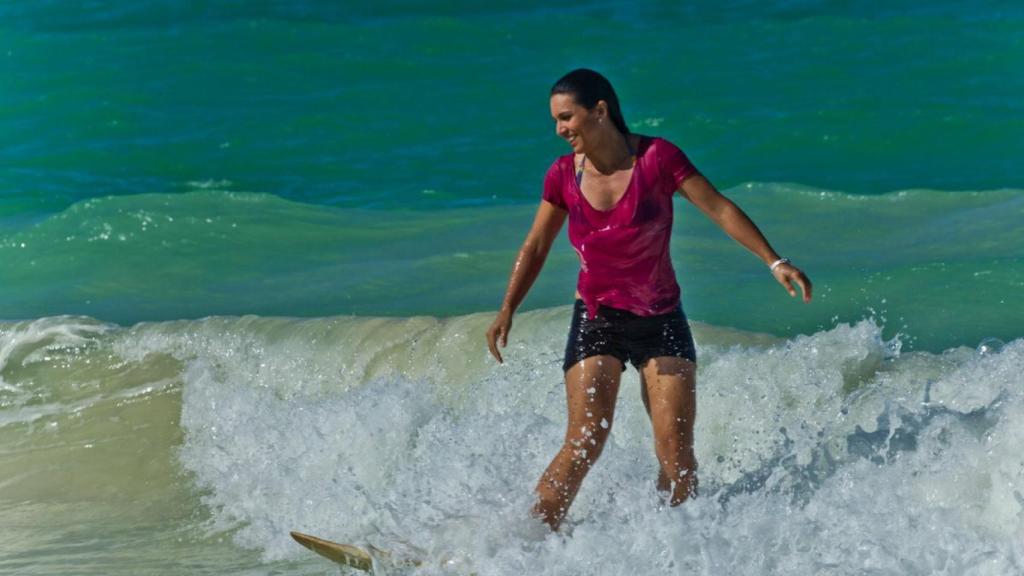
(162, 162)
(384, 158)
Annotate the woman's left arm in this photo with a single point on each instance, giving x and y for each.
(698, 190)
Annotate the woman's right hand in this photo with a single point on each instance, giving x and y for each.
(546, 224)
(498, 334)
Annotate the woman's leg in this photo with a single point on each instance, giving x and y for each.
(591, 387)
(668, 385)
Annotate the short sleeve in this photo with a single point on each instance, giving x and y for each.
(675, 166)
(554, 190)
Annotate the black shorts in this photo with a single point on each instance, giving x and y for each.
(627, 336)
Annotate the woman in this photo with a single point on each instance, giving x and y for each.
(616, 189)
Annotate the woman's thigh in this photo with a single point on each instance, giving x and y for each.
(669, 388)
(591, 387)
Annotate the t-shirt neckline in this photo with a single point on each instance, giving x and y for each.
(640, 150)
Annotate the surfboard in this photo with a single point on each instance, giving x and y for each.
(345, 554)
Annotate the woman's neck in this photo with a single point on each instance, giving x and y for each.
(611, 153)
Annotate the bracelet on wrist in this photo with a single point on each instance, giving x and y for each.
(778, 263)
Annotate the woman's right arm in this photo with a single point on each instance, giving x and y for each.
(546, 225)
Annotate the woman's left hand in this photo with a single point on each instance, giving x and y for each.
(722, 211)
(787, 275)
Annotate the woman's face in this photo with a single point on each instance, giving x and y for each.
(573, 122)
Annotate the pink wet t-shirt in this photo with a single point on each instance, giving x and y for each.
(624, 251)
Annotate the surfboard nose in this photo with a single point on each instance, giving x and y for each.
(341, 553)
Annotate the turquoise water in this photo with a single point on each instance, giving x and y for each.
(239, 238)
(941, 268)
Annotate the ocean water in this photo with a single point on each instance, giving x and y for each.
(250, 250)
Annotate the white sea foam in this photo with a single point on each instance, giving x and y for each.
(828, 453)
(835, 452)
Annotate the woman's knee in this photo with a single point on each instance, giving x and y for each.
(671, 424)
(587, 441)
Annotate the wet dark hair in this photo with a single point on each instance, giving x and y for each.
(586, 88)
